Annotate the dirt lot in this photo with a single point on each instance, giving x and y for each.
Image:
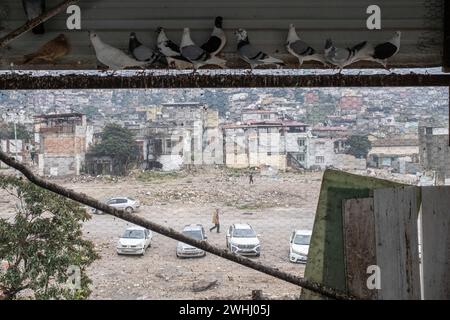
(274, 206)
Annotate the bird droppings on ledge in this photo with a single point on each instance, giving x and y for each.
(212, 79)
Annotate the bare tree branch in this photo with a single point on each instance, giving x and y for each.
(35, 22)
(171, 233)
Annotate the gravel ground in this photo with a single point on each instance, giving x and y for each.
(274, 206)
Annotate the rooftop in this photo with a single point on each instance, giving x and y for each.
(397, 142)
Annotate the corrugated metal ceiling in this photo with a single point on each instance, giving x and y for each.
(420, 21)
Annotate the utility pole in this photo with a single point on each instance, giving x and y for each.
(15, 140)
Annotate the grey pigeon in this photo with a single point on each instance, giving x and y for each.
(342, 57)
(171, 51)
(251, 55)
(33, 9)
(300, 49)
(386, 50)
(113, 58)
(198, 56)
(141, 52)
(217, 40)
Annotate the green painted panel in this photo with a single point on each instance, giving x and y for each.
(326, 253)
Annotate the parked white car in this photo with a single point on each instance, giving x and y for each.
(194, 231)
(128, 204)
(242, 239)
(299, 246)
(135, 240)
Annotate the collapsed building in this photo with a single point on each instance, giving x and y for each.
(61, 143)
(400, 154)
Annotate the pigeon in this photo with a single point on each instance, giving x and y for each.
(33, 9)
(50, 51)
(342, 57)
(171, 51)
(383, 51)
(217, 40)
(113, 58)
(251, 55)
(198, 56)
(300, 49)
(141, 52)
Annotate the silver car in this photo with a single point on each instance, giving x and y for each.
(128, 204)
(194, 231)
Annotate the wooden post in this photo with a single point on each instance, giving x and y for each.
(436, 242)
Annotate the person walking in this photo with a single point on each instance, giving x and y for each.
(250, 178)
(215, 221)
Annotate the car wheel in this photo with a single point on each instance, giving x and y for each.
(129, 210)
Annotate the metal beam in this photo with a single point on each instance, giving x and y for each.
(15, 81)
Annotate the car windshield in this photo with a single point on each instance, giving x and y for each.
(302, 239)
(244, 233)
(194, 234)
(133, 234)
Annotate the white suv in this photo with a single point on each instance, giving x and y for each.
(299, 246)
(242, 239)
(130, 205)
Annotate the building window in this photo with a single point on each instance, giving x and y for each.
(269, 153)
(320, 159)
(429, 130)
(301, 142)
(300, 157)
(266, 116)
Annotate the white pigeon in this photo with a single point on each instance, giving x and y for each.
(342, 57)
(386, 50)
(171, 51)
(198, 56)
(113, 58)
(300, 49)
(251, 55)
(217, 40)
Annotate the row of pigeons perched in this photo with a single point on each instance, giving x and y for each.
(190, 55)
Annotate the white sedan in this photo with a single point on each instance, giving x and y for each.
(299, 246)
(135, 240)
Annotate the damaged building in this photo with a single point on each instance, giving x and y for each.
(400, 154)
(61, 143)
(261, 139)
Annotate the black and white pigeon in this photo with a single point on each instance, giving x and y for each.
(342, 57)
(141, 52)
(171, 51)
(253, 56)
(217, 40)
(33, 9)
(196, 55)
(300, 49)
(386, 50)
(112, 57)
